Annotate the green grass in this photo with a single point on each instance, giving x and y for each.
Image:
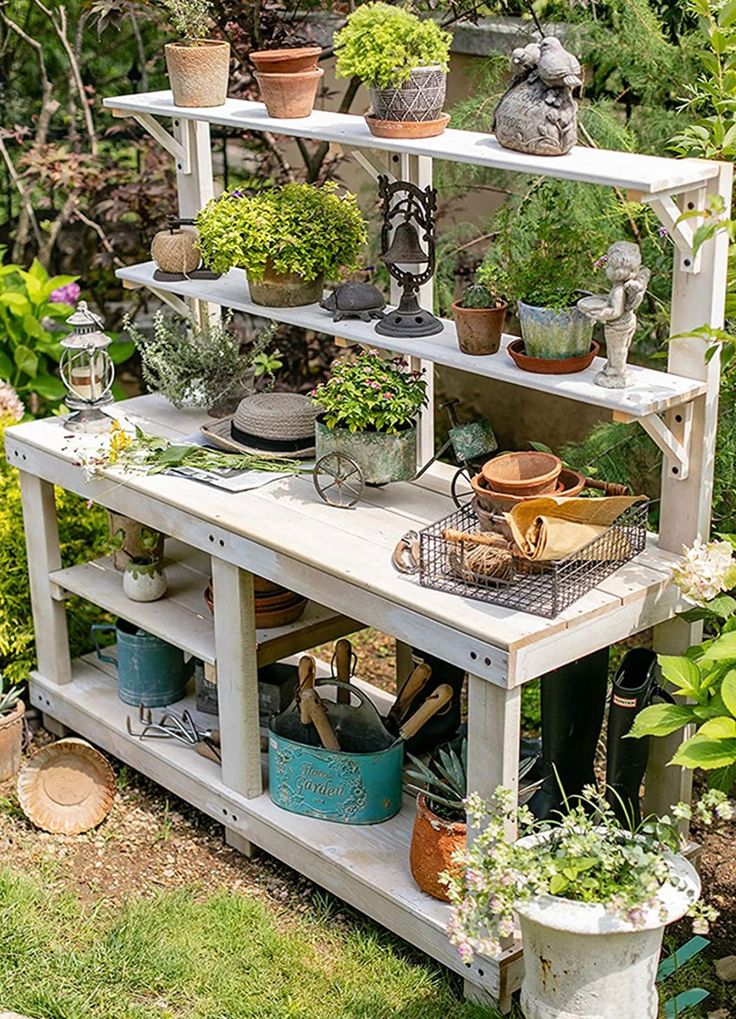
(223, 956)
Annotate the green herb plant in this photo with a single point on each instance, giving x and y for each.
(9, 697)
(371, 394)
(487, 289)
(443, 781)
(382, 45)
(190, 19)
(199, 367)
(298, 228)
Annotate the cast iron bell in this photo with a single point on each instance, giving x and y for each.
(405, 248)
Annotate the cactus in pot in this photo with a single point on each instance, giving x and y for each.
(480, 313)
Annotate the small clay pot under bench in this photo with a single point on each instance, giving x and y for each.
(433, 842)
(11, 741)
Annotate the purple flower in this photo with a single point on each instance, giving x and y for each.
(663, 231)
(68, 294)
(603, 260)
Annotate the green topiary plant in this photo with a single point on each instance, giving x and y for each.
(298, 228)
(382, 45)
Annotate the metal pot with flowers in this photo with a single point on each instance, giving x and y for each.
(288, 239)
(368, 410)
(12, 711)
(198, 67)
(591, 897)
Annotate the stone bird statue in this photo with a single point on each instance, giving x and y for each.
(524, 59)
(556, 67)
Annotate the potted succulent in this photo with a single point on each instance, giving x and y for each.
(439, 829)
(144, 578)
(480, 313)
(404, 60)
(592, 900)
(198, 67)
(12, 711)
(288, 80)
(368, 410)
(288, 239)
(202, 367)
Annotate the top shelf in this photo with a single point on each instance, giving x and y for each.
(627, 170)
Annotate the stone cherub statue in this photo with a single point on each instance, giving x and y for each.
(617, 311)
(538, 113)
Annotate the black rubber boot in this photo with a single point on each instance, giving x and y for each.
(573, 700)
(634, 687)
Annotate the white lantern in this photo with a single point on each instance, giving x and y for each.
(87, 371)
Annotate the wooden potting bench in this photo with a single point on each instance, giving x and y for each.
(341, 559)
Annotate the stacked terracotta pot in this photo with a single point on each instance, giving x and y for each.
(512, 478)
(288, 80)
(275, 605)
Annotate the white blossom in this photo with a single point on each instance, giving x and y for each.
(707, 570)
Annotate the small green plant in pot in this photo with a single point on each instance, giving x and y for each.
(552, 328)
(439, 829)
(12, 712)
(198, 67)
(368, 410)
(288, 239)
(480, 313)
(403, 59)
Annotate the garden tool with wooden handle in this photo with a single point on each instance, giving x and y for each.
(311, 709)
(413, 686)
(343, 664)
(434, 703)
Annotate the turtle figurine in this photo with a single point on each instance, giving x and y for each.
(354, 300)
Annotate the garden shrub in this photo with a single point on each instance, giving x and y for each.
(83, 533)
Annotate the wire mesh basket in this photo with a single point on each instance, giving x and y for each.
(541, 588)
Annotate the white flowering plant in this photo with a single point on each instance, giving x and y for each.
(586, 857)
(704, 677)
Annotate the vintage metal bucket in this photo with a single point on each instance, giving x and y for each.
(359, 784)
(383, 458)
(150, 671)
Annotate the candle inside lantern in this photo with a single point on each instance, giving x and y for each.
(87, 380)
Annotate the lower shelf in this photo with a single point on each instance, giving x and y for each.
(366, 866)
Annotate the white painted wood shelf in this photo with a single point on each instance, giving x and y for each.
(652, 391)
(182, 617)
(628, 170)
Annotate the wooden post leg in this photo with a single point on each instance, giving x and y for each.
(403, 663)
(237, 678)
(240, 842)
(44, 556)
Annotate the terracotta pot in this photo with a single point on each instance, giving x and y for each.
(421, 97)
(289, 96)
(524, 473)
(286, 61)
(198, 73)
(569, 484)
(433, 841)
(479, 330)
(551, 366)
(407, 128)
(11, 741)
(285, 290)
(129, 534)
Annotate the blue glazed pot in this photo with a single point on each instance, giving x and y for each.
(150, 671)
(554, 334)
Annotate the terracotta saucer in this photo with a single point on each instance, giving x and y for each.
(407, 128)
(550, 366)
(570, 483)
(67, 787)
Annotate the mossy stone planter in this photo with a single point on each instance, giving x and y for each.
(285, 290)
(554, 333)
(420, 98)
(382, 458)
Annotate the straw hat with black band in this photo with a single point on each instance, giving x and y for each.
(280, 425)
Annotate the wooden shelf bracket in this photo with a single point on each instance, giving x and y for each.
(672, 432)
(681, 231)
(178, 148)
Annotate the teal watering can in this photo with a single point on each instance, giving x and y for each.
(150, 671)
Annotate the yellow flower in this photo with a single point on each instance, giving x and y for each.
(119, 442)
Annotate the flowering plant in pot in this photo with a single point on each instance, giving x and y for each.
(368, 411)
(440, 830)
(480, 313)
(403, 59)
(198, 67)
(288, 239)
(206, 367)
(12, 711)
(592, 900)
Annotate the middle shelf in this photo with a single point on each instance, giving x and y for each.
(182, 617)
(652, 392)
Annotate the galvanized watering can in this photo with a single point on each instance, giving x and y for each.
(150, 671)
(359, 783)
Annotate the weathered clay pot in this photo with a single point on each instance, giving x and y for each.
(130, 534)
(11, 741)
(289, 96)
(199, 73)
(526, 473)
(433, 841)
(420, 98)
(479, 330)
(286, 61)
(285, 290)
(176, 251)
(554, 333)
(382, 458)
(228, 405)
(144, 581)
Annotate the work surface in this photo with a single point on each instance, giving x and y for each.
(341, 558)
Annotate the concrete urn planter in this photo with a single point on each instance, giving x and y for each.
(198, 72)
(581, 962)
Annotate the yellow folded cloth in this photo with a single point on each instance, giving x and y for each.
(551, 528)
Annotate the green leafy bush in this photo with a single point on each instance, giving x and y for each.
(382, 45)
(369, 393)
(298, 228)
(83, 534)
